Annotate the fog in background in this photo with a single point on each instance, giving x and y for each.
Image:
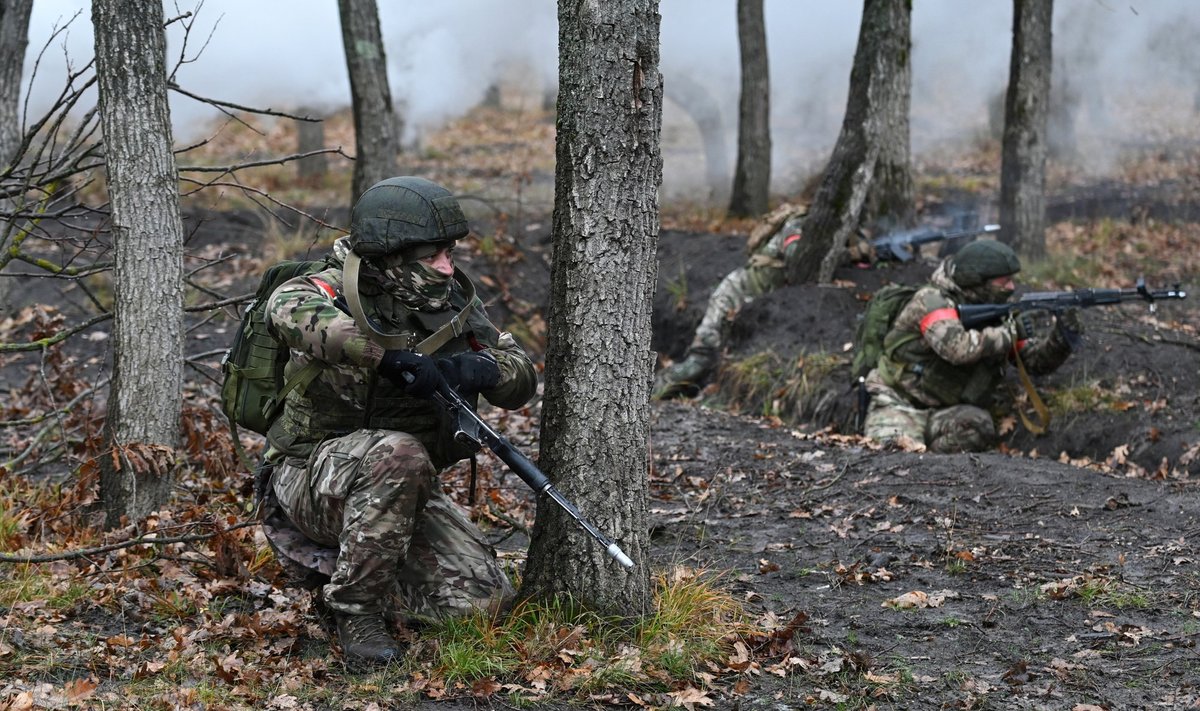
(1128, 68)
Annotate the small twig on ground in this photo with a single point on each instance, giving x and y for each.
(140, 540)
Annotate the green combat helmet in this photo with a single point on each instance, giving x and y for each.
(980, 261)
(399, 214)
(397, 221)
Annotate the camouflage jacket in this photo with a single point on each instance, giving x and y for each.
(933, 361)
(348, 394)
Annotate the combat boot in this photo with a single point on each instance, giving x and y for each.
(365, 638)
(682, 379)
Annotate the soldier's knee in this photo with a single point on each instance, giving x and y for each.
(963, 428)
(398, 457)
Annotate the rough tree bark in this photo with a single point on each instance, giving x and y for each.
(869, 175)
(146, 397)
(752, 175)
(595, 425)
(1026, 107)
(14, 37)
(310, 136)
(377, 127)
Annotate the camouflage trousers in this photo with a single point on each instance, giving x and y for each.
(959, 428)
(762, 273)
(402, 546)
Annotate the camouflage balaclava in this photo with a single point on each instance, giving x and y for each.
(975, 265)
(414, 283)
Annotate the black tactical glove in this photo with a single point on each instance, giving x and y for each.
(1024, 326)
(421, 371)
(1034, 323)
(1068, 320)
(470, 372)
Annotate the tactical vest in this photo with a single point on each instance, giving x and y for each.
(344, 398)
(909, 366)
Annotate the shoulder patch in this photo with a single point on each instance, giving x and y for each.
(324, 286)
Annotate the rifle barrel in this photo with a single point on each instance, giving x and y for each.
(527, 470)
(899, 245)
(978, 315)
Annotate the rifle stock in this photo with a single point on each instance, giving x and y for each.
(473, 431)
(980, 315)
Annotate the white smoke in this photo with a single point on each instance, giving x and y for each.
(444, 55)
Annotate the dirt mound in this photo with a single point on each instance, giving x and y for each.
(1128, 396)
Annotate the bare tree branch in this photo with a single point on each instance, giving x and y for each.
(140, 540)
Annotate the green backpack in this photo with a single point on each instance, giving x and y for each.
(873, 326)
(254, 387)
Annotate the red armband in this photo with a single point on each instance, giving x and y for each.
(937, 315)
(323, 286)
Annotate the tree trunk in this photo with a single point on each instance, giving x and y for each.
(14, 37)
(146, 397)
(1026, 107)
(310, 136)
(377, 128)
(869, 174)
(595, 426)
(752, 176)
(699, 104)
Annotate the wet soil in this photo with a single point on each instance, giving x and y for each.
(1054, 584)
(1035, 583)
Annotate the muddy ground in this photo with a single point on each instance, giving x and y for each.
(1031, 583)
(1049, 585)
(1005, 580)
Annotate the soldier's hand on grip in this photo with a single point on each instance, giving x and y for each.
(1068, 320)
(470, 372)
(422, 372)
(1023, 324)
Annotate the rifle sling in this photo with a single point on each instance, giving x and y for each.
(1039, 407)
(436, 340)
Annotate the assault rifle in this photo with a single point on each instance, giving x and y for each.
(472, 431)
(901, 246)
(979, 315)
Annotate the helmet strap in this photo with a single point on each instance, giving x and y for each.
(392, 341)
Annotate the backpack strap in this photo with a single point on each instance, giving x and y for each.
(889, 350)
(436, 340)
(300, 381)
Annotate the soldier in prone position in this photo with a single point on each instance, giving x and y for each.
(357, 452)
(936, 380)
(772, 244)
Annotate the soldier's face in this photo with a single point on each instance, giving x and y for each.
(442, 261)
(1004, 283)
(1002, 287)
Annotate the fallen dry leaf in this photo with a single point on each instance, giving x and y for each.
(908, 600)
(690, 698)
